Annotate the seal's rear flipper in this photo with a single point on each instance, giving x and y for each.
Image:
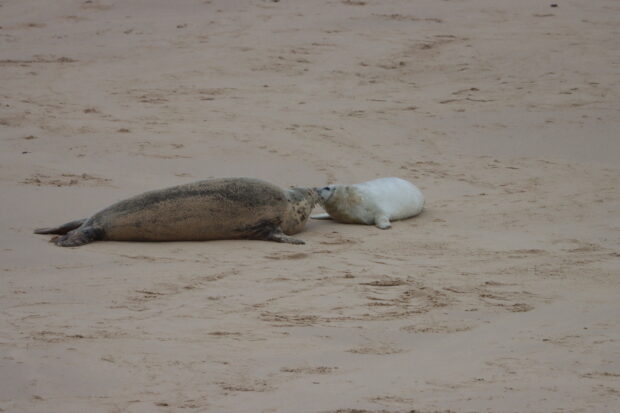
(321, 216)
(79, 237)
(61, 230)
(279, 236)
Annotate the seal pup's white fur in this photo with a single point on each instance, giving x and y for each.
(373, 202)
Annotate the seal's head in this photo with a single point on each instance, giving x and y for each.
(325, 193)
(304, 195)
(301, 201)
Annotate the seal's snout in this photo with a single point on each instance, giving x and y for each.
(325, 192)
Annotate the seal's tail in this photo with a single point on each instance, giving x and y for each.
(80, 236)
(61, 230)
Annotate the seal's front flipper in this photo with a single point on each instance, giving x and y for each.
(61, 230)
(321, 216)
(383, 222)
(279, 236)
(78, 237)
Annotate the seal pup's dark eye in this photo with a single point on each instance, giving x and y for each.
(326, 188)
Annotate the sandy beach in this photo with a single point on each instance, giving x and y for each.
(501, 297)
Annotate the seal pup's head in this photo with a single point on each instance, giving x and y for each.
(325, 193)
(341, 201)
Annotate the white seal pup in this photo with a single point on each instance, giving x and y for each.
(373, 202)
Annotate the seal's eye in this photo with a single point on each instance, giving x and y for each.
(326, 188)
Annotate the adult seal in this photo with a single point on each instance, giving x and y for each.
(374, 202)
(226, 208)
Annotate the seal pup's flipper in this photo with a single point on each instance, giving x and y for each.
(383, 222)
(321, 216)
(78, 237)
(279, 236)
(62, 229)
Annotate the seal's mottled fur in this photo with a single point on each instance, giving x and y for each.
(227, 208)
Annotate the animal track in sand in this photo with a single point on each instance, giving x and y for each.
(382, 299)
(144, 298)
(246, 385)
(439, 327)
(353, 2)
(388, 400)
(406, 60)
(159, 96)
(309, 370)
(600, 374)
(335, 238)
(225, 334)
(146, 149)
(286, 320)
(405, 17)
(385, 283)
(66, 180)
(383, 349)
(497, 294)
(167, 259)
(74, 18)
(283, 256)
(55, 337)
(147, 295)
(406, 295)
(94, 5)
(37, 59)
(386, 411)
(48, 336)
(506, 300)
